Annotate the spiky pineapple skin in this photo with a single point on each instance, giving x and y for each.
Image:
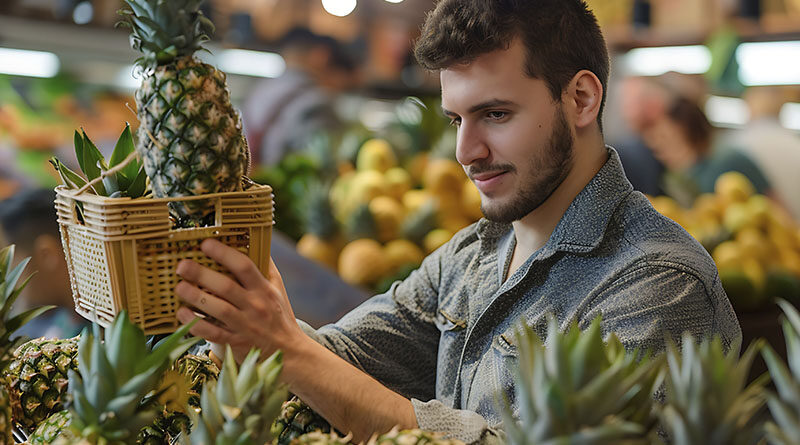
(5, 416)
(38, 379)
(297, 419)
(190, 136)
(51, 428)
(414, 436)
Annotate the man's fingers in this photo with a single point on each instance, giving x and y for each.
(203, 328)
(208, 304)
(240, 265)
(217, 283)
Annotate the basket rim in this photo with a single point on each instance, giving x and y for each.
(62, 190)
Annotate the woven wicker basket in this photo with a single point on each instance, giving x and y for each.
(123, 255)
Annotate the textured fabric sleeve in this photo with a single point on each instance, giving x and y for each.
(392, 336)
(463, 425)
(655, 300)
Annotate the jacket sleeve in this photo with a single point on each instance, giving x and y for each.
(393, 336)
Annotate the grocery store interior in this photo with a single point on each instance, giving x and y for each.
(348, 131)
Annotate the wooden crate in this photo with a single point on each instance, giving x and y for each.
(123, 255)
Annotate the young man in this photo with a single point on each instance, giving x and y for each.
(564, 234)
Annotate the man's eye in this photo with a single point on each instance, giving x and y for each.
(496, 115)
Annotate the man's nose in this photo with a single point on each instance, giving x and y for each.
(470, 144)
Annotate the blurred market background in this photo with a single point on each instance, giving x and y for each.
(704, 108)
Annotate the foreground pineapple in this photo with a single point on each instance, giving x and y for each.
(242, 405)
(707, 400)
(9, 292)
(785, 406)
(38, 379)
(297, 419)
(580, 390)
(190, 137)
(113, 390)
(414, 436)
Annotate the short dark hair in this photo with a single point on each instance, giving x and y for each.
(562, 37)
(693, 123)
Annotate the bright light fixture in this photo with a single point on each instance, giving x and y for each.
(790, 116)
(769, 63)
(694, 59)
(394, 1)
(251, 63)
(339, 8)
(727, 111)
(18, 62)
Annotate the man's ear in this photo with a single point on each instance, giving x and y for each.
(583, 96)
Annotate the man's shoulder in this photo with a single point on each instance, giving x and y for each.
(652, 238)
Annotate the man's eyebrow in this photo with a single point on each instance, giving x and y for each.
(481, 106)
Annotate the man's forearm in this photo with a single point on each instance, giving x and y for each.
(348, 398)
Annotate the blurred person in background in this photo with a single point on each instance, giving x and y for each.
(643, 101)
(773, 147)
(683, 140)
(28, 220)
(281, 114)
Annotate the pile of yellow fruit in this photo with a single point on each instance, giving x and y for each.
(393, 195)
(753, 241)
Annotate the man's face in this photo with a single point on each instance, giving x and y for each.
(513, 140)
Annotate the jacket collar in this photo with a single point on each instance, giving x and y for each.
(583, 225)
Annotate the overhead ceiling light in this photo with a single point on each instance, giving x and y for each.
(727, 111)
(19, 62)
(769, 63)
(790, 116)
(251, 63)
(339, 8)
(83, 13)
(394, 1)
(693, 59)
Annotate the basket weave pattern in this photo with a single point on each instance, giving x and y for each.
(124, 253)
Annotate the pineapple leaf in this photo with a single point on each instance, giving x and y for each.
(784, 381)
(68, 177)
(18, 321)
(10, 283)
(791, 314)
(126, 346)
(122, 149)
(140, 8)
(78, 141)
(139, 185)
(92, 162)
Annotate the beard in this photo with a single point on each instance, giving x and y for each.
(545, 172)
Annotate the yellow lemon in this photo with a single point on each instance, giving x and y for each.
(398, 182)
(388, 214)
(362, 262)
(401, 252)
(733, 187)
(376, 154)
(435, 239)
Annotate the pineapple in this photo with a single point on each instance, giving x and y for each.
(9, 292)
(708, 400)
(113, 392)
(242, 405)
(785, 405)
(297, 419)
(190, 138)
(183, 383)
(414, 436)
(38, 379)
(321, 438)
(579, 390)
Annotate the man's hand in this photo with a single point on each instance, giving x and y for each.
(251, 311)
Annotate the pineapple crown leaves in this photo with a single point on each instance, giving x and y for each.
(579, 388)
(9, 292)
(243, 404)
(785, 405)
(708, 399)
(164, 30)
(121, 176)
(114, 378)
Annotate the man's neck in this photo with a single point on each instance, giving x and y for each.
(533, 230)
